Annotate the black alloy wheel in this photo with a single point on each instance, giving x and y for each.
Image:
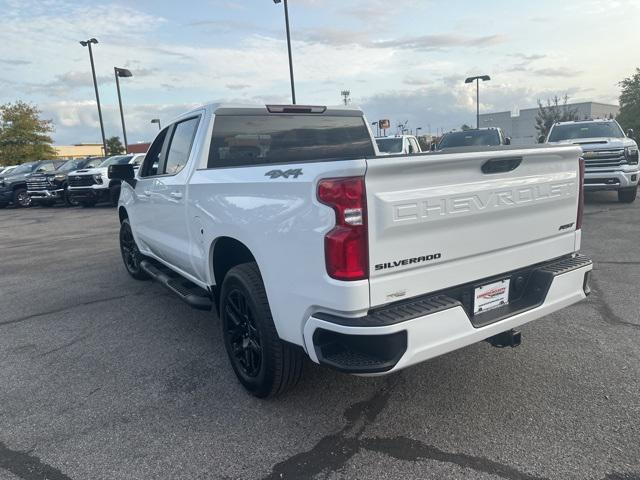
(131, 256)
(243, 335)
(264, 364)
(21, 198)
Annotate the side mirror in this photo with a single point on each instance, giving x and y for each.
(631, 133)
(541, 139)
(507, 141)
(124, 173)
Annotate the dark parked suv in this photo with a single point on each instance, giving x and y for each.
(48, 187)
(13, 188)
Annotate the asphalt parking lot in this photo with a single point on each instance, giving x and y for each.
(104, 377)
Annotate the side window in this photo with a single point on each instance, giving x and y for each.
(413, 146)
(152, 159)
(180, 146)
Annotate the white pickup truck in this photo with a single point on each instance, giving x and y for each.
(284, 220)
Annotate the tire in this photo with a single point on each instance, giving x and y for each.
(21, 198)
(131, 256)
(628, 195)
(69, 201)
(114, 195)
(265, 365)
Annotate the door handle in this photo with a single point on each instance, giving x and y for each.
(177, 195)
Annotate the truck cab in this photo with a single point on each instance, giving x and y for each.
(610, 155)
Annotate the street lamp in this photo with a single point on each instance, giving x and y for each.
(286, 20)
(124, 73)
(156, 120)
(484, 78)
(87, 43)
(417, 130)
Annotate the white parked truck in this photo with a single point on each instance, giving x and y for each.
(611, 157)
(308, 244)
(398, 144)
(89, 186)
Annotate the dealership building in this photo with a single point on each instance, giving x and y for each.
(521, 125)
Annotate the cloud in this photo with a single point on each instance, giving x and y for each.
(77, 121)
(433, 42)
(237, 86)
(563, 72)
(528, 58)
(14, 61)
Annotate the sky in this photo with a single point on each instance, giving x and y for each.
(405, 60)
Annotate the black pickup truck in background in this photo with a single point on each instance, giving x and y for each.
(13, 187)
(47, 188)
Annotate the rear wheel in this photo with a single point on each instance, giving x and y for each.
(21, 198)
(131, 256)
(265, 365)
(628, 195)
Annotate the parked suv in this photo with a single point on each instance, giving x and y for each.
(611, 157)
(90, 185)
(13, 188)
(479, 137)
(47, 188)
(308, 243)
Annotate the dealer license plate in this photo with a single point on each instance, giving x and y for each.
(493, 295)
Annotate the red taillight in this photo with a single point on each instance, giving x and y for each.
(580, 195)
(346, 245)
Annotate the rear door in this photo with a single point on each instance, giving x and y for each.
(441, 220)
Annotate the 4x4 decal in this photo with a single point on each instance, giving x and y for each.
(285, 174)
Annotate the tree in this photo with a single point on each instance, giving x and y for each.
(554, 112)
(465, 127)
(24, 136)
(114, 146)
(629, 116)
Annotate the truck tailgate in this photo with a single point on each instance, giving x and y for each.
(441, 220)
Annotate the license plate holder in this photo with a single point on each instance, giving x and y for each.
(491, 295)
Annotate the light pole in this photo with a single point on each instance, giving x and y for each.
(484, 78)
(124, 73)
(156, 120)
(417, 130)
(87, 43)
(286, 20)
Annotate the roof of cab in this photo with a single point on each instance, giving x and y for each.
(590, 120)
(337, 110)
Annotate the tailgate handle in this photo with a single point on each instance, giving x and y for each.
(501, 165)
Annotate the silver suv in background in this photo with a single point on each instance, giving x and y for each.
(610, 156)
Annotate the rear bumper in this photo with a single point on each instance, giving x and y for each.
(397, 337)
(612, 180)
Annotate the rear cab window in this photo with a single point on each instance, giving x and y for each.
(261, 139)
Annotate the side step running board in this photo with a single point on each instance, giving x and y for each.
(193, 295)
